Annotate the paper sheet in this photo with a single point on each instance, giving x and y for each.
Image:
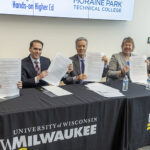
(57, 90)
(138, 69)
(10, 74)
(94, 67)
(104, 90)
(57, 69)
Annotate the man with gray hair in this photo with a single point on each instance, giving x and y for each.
(78, 62)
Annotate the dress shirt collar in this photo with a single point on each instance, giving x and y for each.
(33, 60)
(81, 58)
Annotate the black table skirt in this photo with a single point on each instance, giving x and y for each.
(81, 121)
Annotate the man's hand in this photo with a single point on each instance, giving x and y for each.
(105, 59)
(19, 84)
(81, 77)
(70, 68)
(126, 69)
(42, 75)
(0, 86)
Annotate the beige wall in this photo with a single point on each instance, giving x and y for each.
(59, 34)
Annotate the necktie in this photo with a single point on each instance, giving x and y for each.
(82, 66)
(37, 68)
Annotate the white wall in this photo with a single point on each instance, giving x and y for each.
(59, 34)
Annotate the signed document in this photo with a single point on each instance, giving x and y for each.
(10, 74)
(94, 67)
(57, 69)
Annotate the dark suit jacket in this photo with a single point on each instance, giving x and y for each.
(148, 67)
(28, 71)
(76, 70)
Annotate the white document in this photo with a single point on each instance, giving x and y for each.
(57, 90)
(94, 67)
(104, 90)
(10, 74)
(138, 69)
(57, 69)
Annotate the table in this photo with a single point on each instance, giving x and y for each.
(81, 121)
(138, 115)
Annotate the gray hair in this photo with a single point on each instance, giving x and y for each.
(81, 39)
(128, 40)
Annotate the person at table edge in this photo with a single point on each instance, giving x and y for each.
(78, 62)
(119, 64)
(35, 66)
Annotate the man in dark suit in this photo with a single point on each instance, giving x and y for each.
(34, 67)
(78, 62)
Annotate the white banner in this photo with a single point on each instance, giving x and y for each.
(92, 9)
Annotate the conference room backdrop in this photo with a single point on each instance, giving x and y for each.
(59, 34)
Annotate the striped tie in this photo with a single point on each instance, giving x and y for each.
(37, 68)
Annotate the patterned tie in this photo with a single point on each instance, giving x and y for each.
(37, 68)
(82, 66)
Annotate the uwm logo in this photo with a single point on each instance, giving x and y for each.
(25, 142)
(148, 125)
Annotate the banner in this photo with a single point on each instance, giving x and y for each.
(92, 9)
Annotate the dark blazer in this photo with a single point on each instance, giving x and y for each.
(148, 67)
(28, 71)
(76, 70)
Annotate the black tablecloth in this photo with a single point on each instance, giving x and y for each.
(138, 115)
(81, 121)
